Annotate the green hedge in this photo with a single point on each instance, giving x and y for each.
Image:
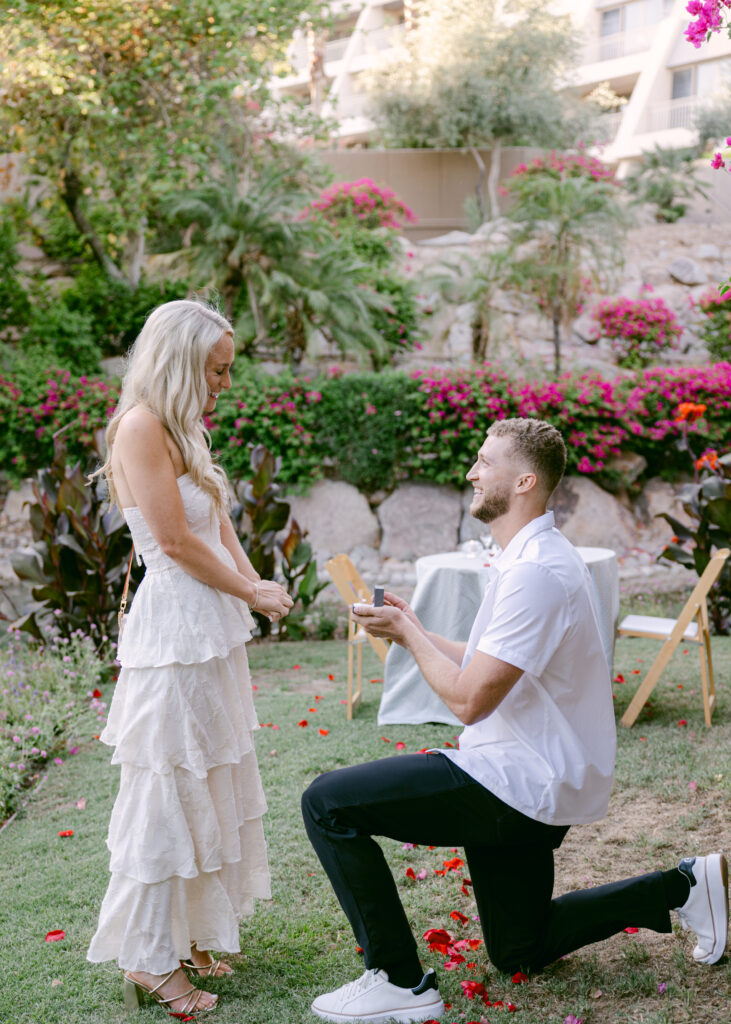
(374, 429)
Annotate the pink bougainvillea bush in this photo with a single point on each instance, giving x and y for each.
(364, 203)
(374, 429)
(571, 165)
(640, 330)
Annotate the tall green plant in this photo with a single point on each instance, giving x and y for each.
(79, 555)
(568, 226)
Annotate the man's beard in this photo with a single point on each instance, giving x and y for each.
(492, 506)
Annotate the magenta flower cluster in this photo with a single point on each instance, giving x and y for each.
(364, 203)
(572, 165)
(638, 329)
(708, 16)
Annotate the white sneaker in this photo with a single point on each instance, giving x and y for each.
(372, 997)
(706, 910)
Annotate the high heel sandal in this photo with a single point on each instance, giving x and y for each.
(204, 970)
(134, 990)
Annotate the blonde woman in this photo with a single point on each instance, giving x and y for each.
(188, 855)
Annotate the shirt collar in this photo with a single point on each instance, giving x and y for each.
(509, 554)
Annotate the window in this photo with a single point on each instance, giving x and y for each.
(611, 22)
(682, 84)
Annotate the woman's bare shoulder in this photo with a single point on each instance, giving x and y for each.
(140, 424)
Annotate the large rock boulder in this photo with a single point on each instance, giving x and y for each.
(419, 519)
(337, 518)
(590, 517)
(687, 271)
(658, 496)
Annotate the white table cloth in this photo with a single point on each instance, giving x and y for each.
(449, 589)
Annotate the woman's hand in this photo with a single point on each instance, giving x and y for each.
(272, 600)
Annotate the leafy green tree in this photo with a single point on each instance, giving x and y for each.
(114, 101)
(567, 229)
(283, 274)
(480, 75)
(666, 179)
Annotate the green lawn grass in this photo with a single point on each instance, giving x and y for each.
(671, 798)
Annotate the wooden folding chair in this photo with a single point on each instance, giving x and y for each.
(690, 627)
(353, 590)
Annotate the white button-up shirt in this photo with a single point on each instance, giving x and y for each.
(548, 748)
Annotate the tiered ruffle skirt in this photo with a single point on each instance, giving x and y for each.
(188, 855)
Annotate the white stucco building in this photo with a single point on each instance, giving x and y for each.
(637, 47)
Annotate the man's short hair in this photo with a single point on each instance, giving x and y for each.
(536, 443)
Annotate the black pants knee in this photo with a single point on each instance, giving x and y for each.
(427, 799)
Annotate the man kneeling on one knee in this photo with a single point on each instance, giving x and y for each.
(532, 687)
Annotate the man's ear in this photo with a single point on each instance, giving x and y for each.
(526, 482)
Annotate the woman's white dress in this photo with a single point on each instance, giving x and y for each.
(188, 854)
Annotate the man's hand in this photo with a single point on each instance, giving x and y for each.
(392, 621)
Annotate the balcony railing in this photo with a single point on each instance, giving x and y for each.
(673, 114)
(622, 44)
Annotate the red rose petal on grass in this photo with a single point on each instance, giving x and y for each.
(511, 1007)
(410, 873)
(447, 744)
(317, 697)
(385, 740)
(442, 871)
(331, 677)
(312, 710)
(55, 935)
(359, 950)
(97, 693)
(254, 686)
(180, 1016)
(470, 989)
(303, 724)
(456, 915)
(453, 864)
(631, 931)
(295, 668)
(324, 732)
(376, 680)
(400, 746)
(343, 702)
(519, 978)
(447, 1006)
(685, 651)
(635, 671)
(423, 873)
(619, 678)
(499, 1004)
(682, 722)
(66, 832)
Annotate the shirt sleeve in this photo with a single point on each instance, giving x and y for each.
(530, 618)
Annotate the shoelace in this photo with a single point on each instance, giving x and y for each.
(360, 984)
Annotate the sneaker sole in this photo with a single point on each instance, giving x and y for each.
(405, 1016)
(717, 868)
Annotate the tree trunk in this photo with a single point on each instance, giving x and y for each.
(135, 253)
(259, 323)
(493, 178)
(480, 182)
(71, 192)
(556, 344)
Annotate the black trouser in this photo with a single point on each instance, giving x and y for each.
(427, 799)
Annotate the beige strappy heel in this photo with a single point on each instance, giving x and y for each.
(134, 990)
(204, 970)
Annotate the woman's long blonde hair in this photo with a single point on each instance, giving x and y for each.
(166, 374)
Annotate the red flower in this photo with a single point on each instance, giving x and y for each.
(456, 915)
(66, 832)
(97, 693)
(410, 873)
(453, 864)
(632, 931)
(330, 676)
(324, 732)
(619, 678)
(438, 940)
(455, 959)
(359, 949)
(312, 710)
(296, 667)
(682, 722)
(511, 1007)
(303, 724)
(400, 746)
(56, 935)
(519, 978)
(470, 989)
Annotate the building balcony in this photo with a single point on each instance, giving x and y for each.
(673, 114)
(622, 44)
